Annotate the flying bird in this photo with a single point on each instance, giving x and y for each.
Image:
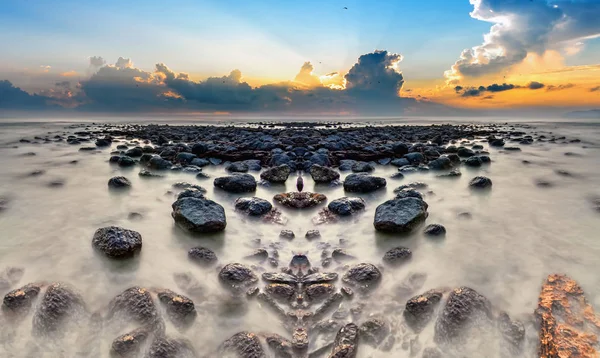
(345, 8)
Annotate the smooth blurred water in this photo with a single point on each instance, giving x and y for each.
(519, 233)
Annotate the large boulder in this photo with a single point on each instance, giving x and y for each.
(242, 345)
(363, 183)
(58, 305)
(278, 174)
(116, 242)
(464, 307)
(420, 309)
(400, 215)
(253, 206)
(236, 183)
(321, 174)
(345, 344)
(568, 323)
(199, 215)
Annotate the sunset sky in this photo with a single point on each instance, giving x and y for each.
(303, 56)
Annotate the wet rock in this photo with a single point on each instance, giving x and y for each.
(129, 344)
(281, 347)
(474, 161)
(126, 161)
(119, 182)
(346, 164)
(202, 256)
(300, 200)
(237, 276)
(408, 193)
(346, 342)
(158, 163)
(400, 215)
(185, 185)
(464, 306)
(512, 149)
(455, 173)
(413, 185)
(287, 234)
(144, 173)
(135, 152)
(136, 304)
(242, 345)
(199, 148)
(346, 206)
(312, 234)
(103, 142)
(362, 167)
(441, 163)
(190, 169)
(184, 157)
(400, 162)
(21, 300)
(202, 176)
(280, 291)
(116, 242)
(363, 183)
(415, 158)
(568, 323)
(374, 331)
(199, 215)
(163, 347)
(180, 309)
(465, 152)
(253, 206)
(237, 167)
(236, 183)
(420, 309)
(363, 275)
(434, 230)
(321, 174)
(340, 254)
(397, 255)
(496, 142)
(58, 305)
(191, 193)
(397, 176)
(278, 174)
(258, 254)
(480, 183)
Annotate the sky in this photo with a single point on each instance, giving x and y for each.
(338, 57)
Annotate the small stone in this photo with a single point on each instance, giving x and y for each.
(202, 256)
(287, 234)
(312, 234)
(116, 242)
(435, 230)
(480, 183)
(397, 256)
(119, 182)
(253, 206)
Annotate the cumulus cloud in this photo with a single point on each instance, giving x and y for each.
(522, 27)
(376, 72)
(123, 63)
(333, 80)
(306, 76)
(97, 61)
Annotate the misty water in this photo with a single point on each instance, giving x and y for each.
(519, 233)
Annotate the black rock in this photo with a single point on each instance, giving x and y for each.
(144, 173)
(191, 193)
(463, 307)
(374, 331)
(465, 152)
(363, 183)
(455, 173)
(236, 183)
(415, 158)
(126, 161)
(363, 275)
(400, 162)
(119, 182)
(199, 148)
(180, 309)
(408, 193)
(441, 163)
(21, 299)
(135, 152)
(116, 242)
(199, 215)
(435, 230)
(237, 167)
(474, 161)
(480, 183)
(362, 167)
(346, 206)
(312, 234)
(236, 275)
(400, 215)
(287, 234)
(420, 309)
(400, 148)
(321, 174)
(278, 174)
(163, 347)
(397, 256)
(253, 206)
(135, 304)
(58, 305)
(159, 163)
(103, 142)
(397, 176)
(130, 343)
(242, 345)
(496, 142)
(202, 256)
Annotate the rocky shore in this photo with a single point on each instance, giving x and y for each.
(306, 292)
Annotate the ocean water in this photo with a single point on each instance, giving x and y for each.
(519, 233)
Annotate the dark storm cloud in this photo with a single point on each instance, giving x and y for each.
(534, 85)
(12, 97)
(595, 89)
(63, 84)
(476, 91)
